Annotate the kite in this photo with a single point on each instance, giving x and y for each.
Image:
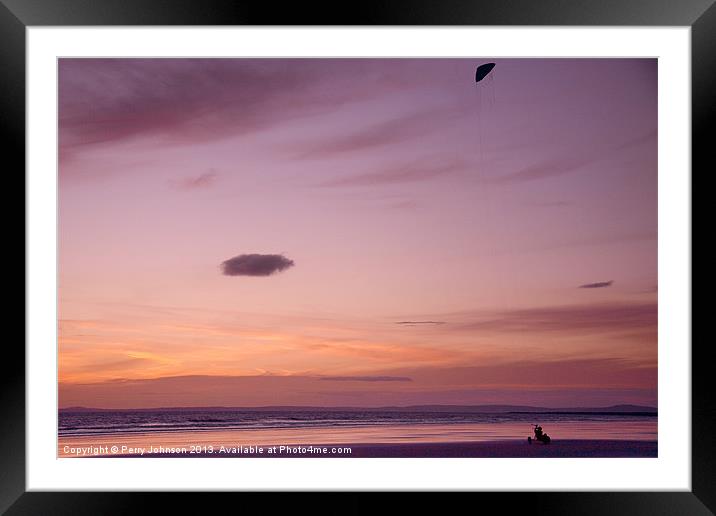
(483, 70)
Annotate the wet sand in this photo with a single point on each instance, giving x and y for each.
(635, 439)
(488, 449)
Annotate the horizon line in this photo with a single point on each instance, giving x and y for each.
(377, 407)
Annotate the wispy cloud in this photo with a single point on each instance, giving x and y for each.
(388, 132)
(553, 204)
(176, 100)
(545, 169)
(417, 171)
(366, 378)
(567, 372)
(603, 239)
(617, 381)
(566, 163)
(417, 323)
(196, 182)
(650, 136)
(604, 317)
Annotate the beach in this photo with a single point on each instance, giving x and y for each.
(487, 449)
(630, 438)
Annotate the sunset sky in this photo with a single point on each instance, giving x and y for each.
(437, 240)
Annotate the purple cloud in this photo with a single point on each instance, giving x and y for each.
(255, 265)
(598, 284)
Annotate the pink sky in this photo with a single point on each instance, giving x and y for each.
(401, 190)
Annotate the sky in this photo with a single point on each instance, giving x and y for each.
(357, 232)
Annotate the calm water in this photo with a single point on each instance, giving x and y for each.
(124, 423)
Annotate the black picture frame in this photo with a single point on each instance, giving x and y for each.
(17, 15)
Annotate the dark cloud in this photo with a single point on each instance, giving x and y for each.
(415, 323)
(255, 265)
(598, 284)
(366, 378)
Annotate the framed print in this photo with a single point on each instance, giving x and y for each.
(436, 249)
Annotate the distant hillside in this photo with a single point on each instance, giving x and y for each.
(484, 409)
